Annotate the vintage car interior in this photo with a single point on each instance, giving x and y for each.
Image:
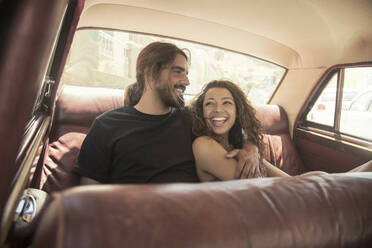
(305, 65)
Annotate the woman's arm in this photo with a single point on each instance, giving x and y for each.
(210, 160)
(363, 168)
(273, 171)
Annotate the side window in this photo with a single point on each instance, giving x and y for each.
(361, 103)
(351, 90)
(355, 117)
(370, 108)
(323, 111)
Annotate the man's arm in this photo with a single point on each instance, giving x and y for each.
(248, 161)
(94, 156)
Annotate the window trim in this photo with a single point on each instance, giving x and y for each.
(334, 130)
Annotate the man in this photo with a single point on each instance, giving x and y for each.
(150, 142)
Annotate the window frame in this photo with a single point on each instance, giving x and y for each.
(334, 130)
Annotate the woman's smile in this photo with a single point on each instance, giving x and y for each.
(219, 121)
(219, 110)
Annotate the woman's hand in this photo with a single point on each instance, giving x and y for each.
(248, 161)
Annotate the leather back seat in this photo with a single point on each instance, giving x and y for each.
(279, 147)
(77, 107)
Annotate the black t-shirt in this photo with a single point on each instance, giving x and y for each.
(128, 146)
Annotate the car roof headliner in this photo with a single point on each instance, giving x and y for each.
(291, 33)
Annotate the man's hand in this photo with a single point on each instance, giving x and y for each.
(248, 161)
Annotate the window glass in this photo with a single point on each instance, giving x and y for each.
(102, 58)
(356, 118)
(370, 108)
(360, 103)
(323, 111)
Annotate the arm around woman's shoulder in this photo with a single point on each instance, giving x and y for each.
(210, 160)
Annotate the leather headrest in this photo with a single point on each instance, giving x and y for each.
(81, 105)
(273, 118)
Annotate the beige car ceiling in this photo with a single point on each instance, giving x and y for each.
(291, 33)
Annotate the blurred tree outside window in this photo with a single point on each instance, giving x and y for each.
(106, 58)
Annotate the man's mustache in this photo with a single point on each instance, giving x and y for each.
(180, 86)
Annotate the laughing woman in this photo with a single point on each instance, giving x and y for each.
(223, 120)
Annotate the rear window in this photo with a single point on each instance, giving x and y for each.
(106, 58)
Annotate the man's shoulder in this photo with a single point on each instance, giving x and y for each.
(185, 111)
(125, 114)
(116, 117)
(182, 115)
(116, 113)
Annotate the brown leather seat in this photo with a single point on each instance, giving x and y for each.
(310, 210)
(77, 107)
(279, 147)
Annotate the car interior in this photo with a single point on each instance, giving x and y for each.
(306, 66)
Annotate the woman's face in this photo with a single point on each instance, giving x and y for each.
(219, 110)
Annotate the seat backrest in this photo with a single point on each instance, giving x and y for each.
(279, 147)
(310, 210)
(76, 109)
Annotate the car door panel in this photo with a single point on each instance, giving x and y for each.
(336, 138)
(326, 153)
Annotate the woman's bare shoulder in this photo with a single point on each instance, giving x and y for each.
(205, 140)
(206, 145)
(210, 158)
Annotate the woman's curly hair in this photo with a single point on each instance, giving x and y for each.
(246, 127)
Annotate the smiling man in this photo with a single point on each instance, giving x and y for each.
(164, 89)
(151, 140)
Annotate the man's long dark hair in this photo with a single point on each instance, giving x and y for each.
(150, 61)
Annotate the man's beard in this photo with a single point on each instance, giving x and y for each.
(169, 97)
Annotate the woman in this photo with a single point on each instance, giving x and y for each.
(223, 119)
